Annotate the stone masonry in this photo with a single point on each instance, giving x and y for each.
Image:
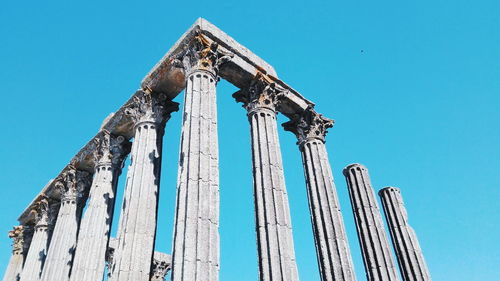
(64, 233)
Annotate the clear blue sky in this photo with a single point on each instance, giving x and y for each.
(414, 88)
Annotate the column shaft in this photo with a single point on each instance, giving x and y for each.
(273, 223)
(375, 249)
(14, 268)
(334, 256)
(35, 258)
(195, 255)
(274, 228)
(96, 223)
(137, 229)
(409, 255)
(332, 247)
(196, 231)
(72, 184)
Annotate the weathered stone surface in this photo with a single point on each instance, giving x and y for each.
(375, 249)
(44, 217)
(160, 77)
(71, 185)
(161, 265)
(408, 252)
(21, 238)
(273, 222)
(96, 222)
(159, 268)
(334, 257)
(196, 229)
(168, 78)
(137, 227)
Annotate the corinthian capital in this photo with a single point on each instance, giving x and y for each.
(261, 93)
(202, 54)
(17, 236)
(72, 185)
(41, 213)
(111, 150)
(309, 125)
(150, 107)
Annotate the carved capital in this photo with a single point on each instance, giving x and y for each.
(150, 107)
(261, 93)
(309, 125)
(160, 267)
(72, 184)
(203, 54)
(18, 236)
(40, 213)
(111, 150)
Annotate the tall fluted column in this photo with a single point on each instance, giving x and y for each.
(96, 223)
(44, 216)
(196, 229)
(21, 238)
(410, 258)
(273, 222)
(332, 248)
(375, 249)
(72, 185)
(137, 227)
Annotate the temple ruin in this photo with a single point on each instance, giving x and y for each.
(56, 240)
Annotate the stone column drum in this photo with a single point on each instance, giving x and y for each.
(137, 226)
(21, 237)
(37, 252)
(196, 230)
(273, 222)
(375, 249)
(96, 223)
(410, 258)
(72, 185)
(332, 247)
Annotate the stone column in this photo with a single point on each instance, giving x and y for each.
(377, 257)
(332, 247)
(137, 228)
(196, 229)
(44, 216)
(72, 185)
(159, 268)
(21, 238)
(273, 222)
(96, 223)
(410, 258)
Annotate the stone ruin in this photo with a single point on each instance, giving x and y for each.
(57, 241)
